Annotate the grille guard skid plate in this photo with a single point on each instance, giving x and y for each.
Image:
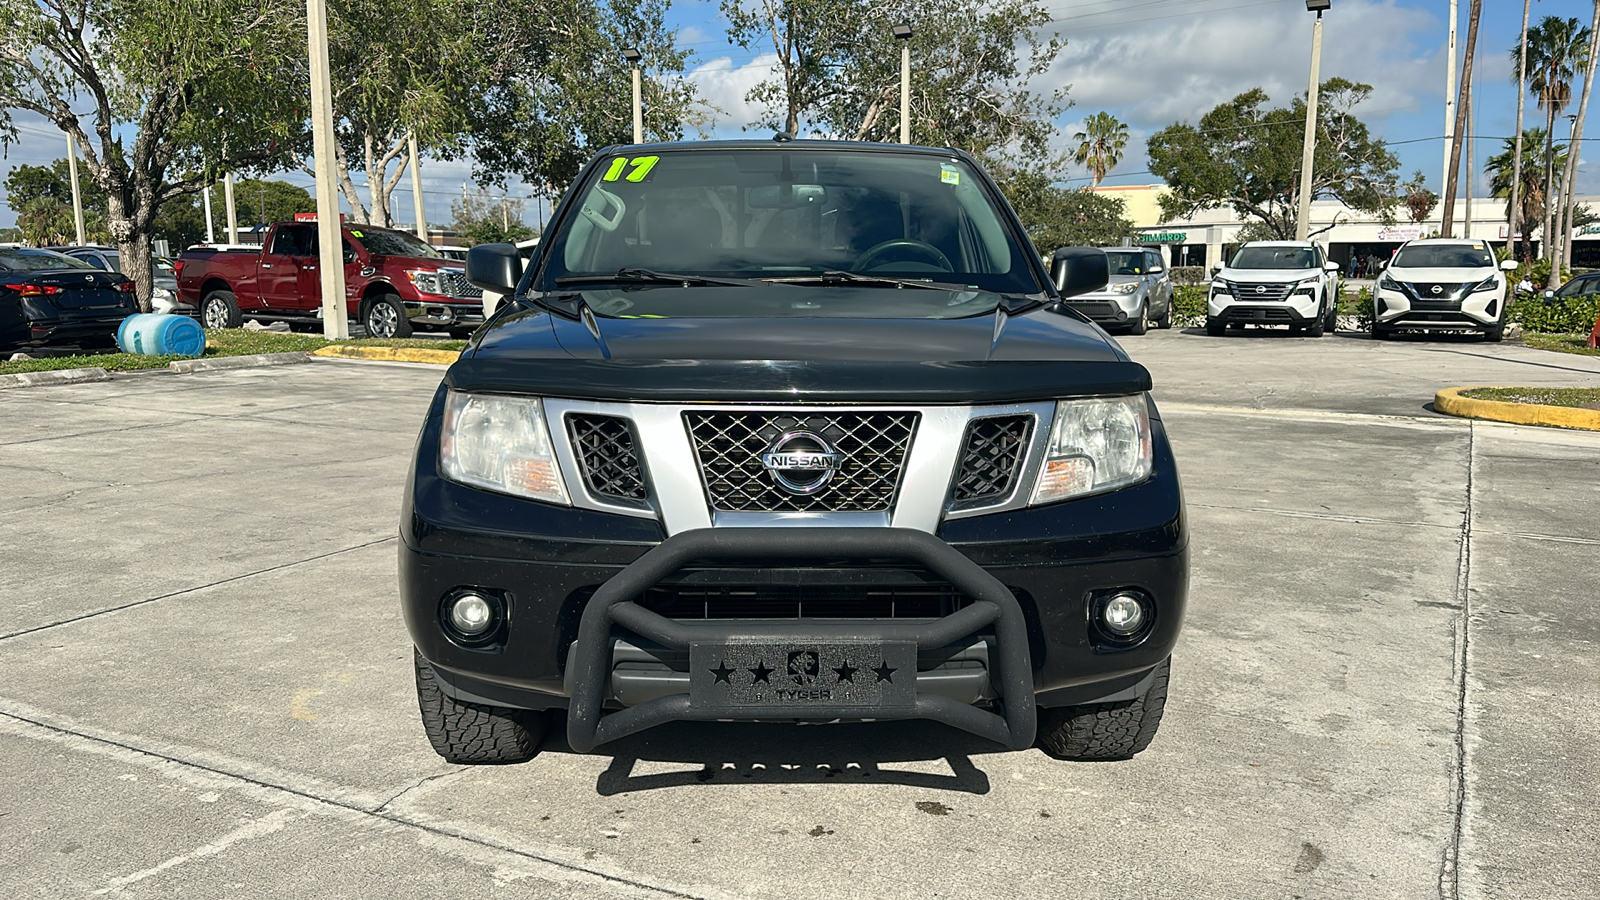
(589, 659)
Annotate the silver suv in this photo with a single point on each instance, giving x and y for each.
(1138, 295)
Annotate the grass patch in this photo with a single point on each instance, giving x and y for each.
(1560, 343)
(1581, 398)
(224, 342)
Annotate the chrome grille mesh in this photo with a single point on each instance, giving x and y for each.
(991, 458)
(608, 456)
(872, 447)
(1259, 291)
(454, 283)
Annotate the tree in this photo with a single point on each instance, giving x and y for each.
(41, 196)
(557, 89)
(1246, 157)
(179, 91)
(1556, 50)
(1060, 217)
(1570, 180)
(1502, 168)
(1514, 207)
(838, 69)
(1100, 145)
(483, 219)
(182, 222)
(1417, 199)
(1463, 101)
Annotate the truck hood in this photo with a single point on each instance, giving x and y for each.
(982, 358)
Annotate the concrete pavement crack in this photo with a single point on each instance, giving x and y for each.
(381, 807)
(356, 808)
(167, 596)
(1450, 863)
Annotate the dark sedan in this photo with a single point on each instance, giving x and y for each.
(51, 298)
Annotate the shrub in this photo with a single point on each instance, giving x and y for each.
(1189, 304)
(1559, 315)
(1190, 275)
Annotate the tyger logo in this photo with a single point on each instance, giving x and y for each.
(804, 666)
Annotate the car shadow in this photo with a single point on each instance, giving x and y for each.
(711, 753)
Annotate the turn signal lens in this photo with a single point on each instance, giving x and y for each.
(1096, 445)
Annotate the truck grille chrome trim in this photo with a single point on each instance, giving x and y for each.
(454, 283)
(1260, 291)
(732, 449)
(607, 452)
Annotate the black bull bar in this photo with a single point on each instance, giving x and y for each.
(589, 661)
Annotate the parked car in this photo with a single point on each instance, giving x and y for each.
(458, 254)
(1275, 283)
(164, 279)
(1443, 284)
(791, 431)
(1138, 295)
(394, 282)
(51, 298)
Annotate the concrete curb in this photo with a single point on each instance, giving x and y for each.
(54, 376)
(390, 354)
(1450, 401)
(190, 366)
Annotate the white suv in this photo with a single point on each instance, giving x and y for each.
(1444, 284)
(1275, 283)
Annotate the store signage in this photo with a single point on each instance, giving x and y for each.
(1399, 234)
(1590, 229)
(1164, 237)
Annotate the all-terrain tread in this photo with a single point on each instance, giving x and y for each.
(470, 733)
(1106, 730)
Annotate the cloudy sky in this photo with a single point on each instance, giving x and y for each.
(1152, 63)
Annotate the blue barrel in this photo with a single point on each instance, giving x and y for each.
(157, 334)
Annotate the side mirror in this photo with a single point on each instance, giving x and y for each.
(1079, 270)
(1330, 267)
(1508, 265)
(494, 267)
(349, 256)
(1549, 295)
(1215, 268)
(1156, 270)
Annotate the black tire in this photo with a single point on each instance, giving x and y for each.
(1316, 328)
(462, 334)
(306, 327)
(1331, 323)
(1106, 730)
(1496, 334)
(1165, 321)
(468, 733)
(220, 310)
(1215, 328)
(1379, 333)
(385, 317)
(102, 342)
(1142, 323)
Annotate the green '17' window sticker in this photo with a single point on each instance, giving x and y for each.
(638, 168)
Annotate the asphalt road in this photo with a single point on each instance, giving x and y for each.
(1385, 689)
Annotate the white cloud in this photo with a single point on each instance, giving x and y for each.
(724, 84)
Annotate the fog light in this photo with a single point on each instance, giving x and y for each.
(1123, 615)
(471, 614)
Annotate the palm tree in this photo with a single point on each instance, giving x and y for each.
(1514, 208)
(1557, 50)
(1100, 145)
(1504, 172)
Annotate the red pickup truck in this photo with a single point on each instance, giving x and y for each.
(394, 283)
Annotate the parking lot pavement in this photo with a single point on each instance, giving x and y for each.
(1385, 686)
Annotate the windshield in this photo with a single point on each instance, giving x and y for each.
(1126, 262)
(794, 214)
(394, 243)
(24, 260)
(1274, 258)
(1443, 256)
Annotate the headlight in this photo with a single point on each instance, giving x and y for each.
(502, 444)
(1308, 287)
(162, 294)
(427, 282)
(1488, 284)
(1127, 287)
(1220, 287)
(1096, 445)
(1388, 284)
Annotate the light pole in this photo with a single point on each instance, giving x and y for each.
(330, 234)
(77, 193)
(416, 188)
(632, 55)
(902, 32)
(1449, 112)
(1302, 224)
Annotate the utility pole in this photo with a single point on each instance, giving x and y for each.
(1452, 170)
(416, 187)
(1472, 129)
(205, 198)
(1515, 222)
(330, 234)
(1447, 183)
(227, 202)
(77, 192)
(633, 56)
(1308, 153)
(902, 33)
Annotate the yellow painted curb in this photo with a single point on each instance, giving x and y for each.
(1450, 401)
(391, 354)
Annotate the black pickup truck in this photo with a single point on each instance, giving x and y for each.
(791, 431)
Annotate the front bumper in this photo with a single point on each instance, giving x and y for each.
(1297, 309)
(1107, 308)
(445, 314)
(1478, 311)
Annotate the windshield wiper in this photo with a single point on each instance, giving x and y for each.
(636, 275)
(839, 277)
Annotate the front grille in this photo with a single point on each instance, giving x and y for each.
(607, 454)
(991, 458)
(1424, 291)
(917, 601)
(1260, 292)
(1438, 305)
(454, 283)
(1257, 314)
(1095, 310)
(871, 445)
